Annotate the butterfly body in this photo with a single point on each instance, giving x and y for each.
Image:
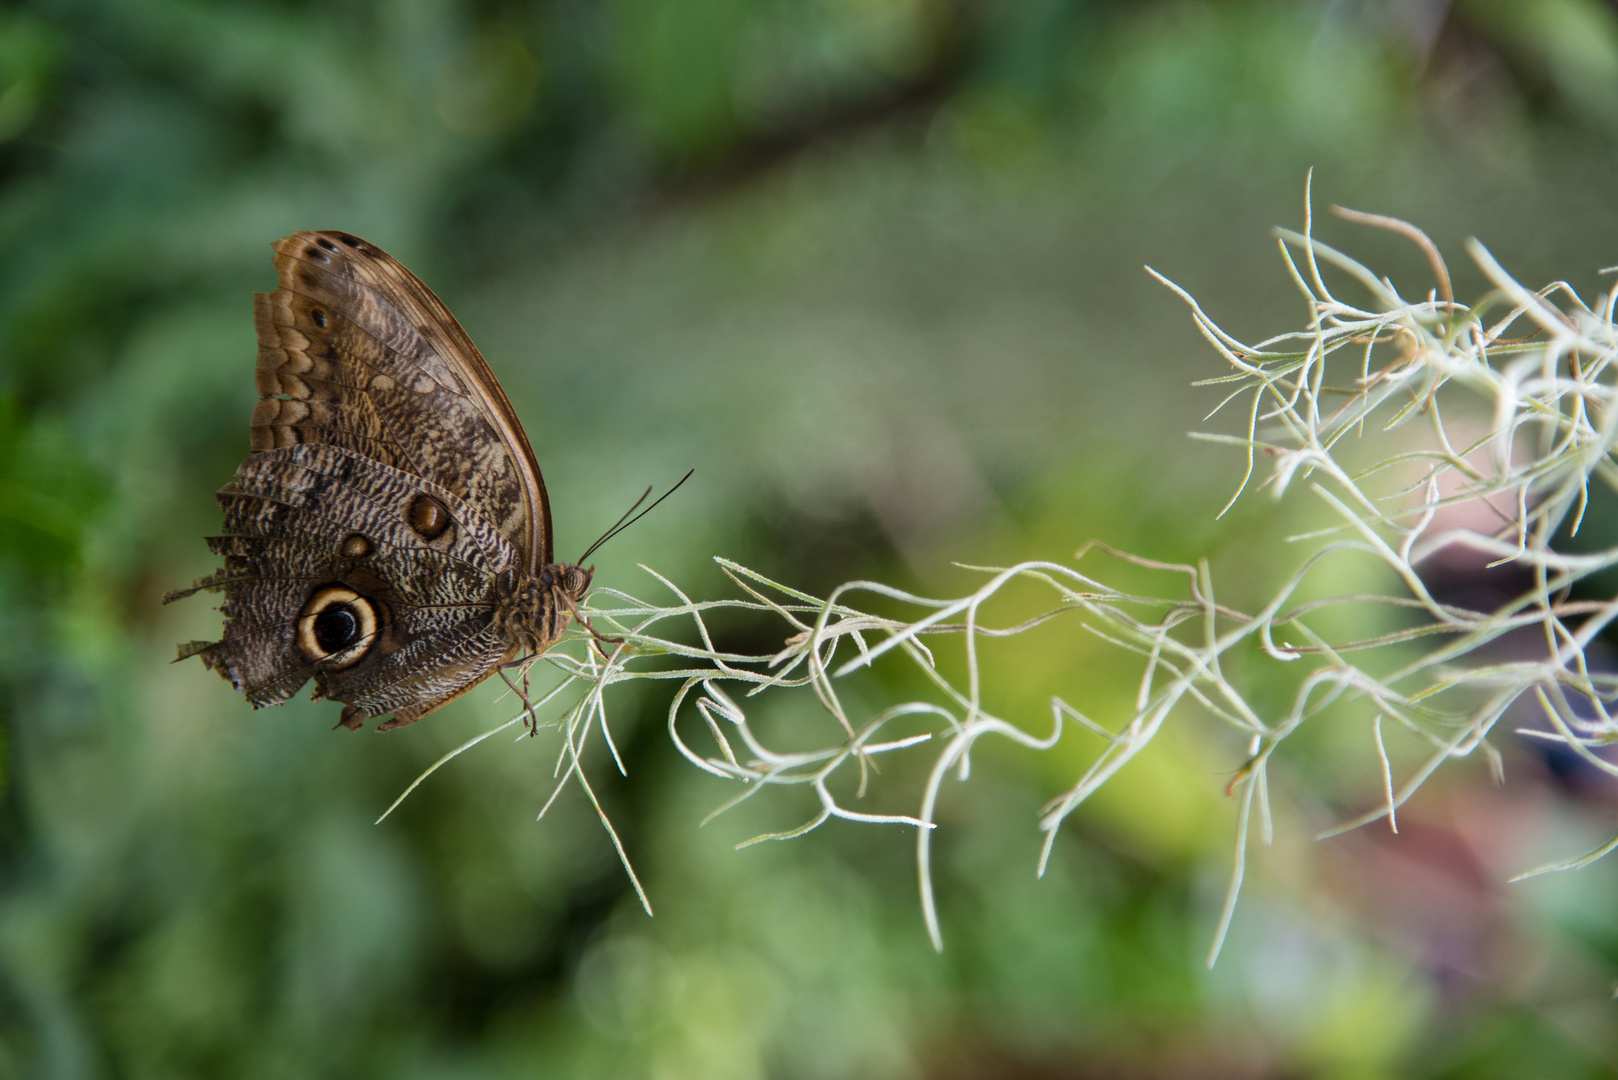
(389, 535)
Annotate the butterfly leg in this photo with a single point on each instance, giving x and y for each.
(530, 721)
(533, 720)
(598, 635)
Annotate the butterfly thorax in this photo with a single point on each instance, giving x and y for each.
(534, 610)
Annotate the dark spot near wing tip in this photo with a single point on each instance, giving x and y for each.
(316, 253)
(327, 244)
(319, 317)
(352, 241)
(427, 516)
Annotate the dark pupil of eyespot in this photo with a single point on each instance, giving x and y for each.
(336, 628)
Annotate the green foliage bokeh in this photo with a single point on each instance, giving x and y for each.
(870, 266)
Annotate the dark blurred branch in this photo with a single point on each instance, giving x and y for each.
(953, 42)
(1465, 43)
(1475, 42)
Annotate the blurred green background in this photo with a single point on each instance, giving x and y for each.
(873, 269)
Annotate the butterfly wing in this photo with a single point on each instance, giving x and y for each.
(355, 351)
(390, 494)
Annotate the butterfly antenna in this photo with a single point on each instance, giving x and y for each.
(626, 521)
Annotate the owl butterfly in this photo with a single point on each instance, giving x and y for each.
(389, 534)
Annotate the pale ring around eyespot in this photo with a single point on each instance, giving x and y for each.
(347, 609)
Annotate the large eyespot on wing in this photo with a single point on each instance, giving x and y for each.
(354, 350)
(337, 627)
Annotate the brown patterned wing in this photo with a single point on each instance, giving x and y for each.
(355, 352)
(313, 531)
(390, 501)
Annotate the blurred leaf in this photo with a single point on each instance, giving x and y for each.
(29, 53)
(48, 493)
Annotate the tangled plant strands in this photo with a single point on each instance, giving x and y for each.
(1446, 676)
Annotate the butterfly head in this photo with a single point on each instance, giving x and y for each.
(564, 586)
(575, 581)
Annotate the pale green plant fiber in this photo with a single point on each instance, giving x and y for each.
(1391, 371)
